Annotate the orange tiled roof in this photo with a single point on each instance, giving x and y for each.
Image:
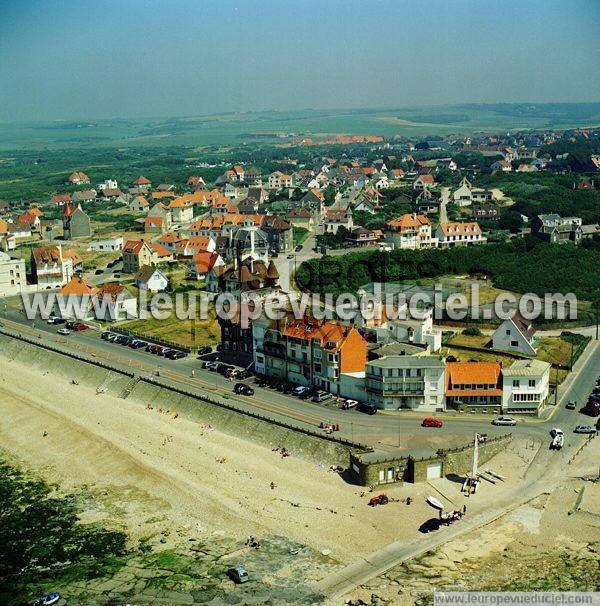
(460, 229)
(462, 374)
(77, 286)
(408, 222)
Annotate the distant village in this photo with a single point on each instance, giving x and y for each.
(239, 234)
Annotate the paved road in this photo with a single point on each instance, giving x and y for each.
(546, 470)
(384, 430)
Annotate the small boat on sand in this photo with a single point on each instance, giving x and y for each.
(435, 503)
(47, 600)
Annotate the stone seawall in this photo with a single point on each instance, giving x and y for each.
(118, 382)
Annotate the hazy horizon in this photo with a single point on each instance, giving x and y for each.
(152, 59)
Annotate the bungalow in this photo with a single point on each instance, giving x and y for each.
(84, 195)
(32, 220)
(445, 164)
(109, 193)
(61, 199)
(151, 279)
(515, 334)
(108, 245)
(463, 196)
(474, 386)
(361, 236)
(486, 212)
(450, 235)
(556, 229)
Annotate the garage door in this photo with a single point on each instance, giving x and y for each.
(434, 470)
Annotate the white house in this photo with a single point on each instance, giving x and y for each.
(108, 184)
(277, 180)
(110, 244)
(515, 334)
(463, 196)
(525, 386)
(12, 275)
(450, 235)
(115, 302)
(182, 210)
(151, 279)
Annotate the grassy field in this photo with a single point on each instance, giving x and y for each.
(177, 331)
(229, 128)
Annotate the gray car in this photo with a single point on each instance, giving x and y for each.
(584, 429)
(238, 574)
(504, 421)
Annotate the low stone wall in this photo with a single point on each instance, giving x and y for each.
(370, 469)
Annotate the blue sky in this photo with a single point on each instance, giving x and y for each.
(133, 58)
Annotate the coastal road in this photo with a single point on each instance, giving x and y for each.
(385, 430)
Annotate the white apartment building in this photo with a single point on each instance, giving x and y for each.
(12, 275)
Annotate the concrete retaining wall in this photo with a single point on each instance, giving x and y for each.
(221, 415)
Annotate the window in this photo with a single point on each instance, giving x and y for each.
(508, 332)
(514, 343)
(531, 382)
(317, 368)
(516, 383)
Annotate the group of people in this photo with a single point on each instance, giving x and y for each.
(171, 413)
(329, 427)
(282, 450)
(252, 542)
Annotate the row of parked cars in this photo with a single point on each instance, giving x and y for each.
(159, 350)
(316, 395)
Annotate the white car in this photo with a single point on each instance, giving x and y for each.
(349, 404)
(504, 421)
(64, 331)
(584, 429)
(555, 431)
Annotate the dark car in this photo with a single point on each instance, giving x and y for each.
(105, 335)
(137, 344)
(121, 340)
(70, 324)
(225, 368)
(244, 374)
(204, 350)
(298, 248)
(366, 408)
(430, 525)
(176, 355)
(243, 389)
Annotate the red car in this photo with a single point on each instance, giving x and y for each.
(79, 327)
(431, 422)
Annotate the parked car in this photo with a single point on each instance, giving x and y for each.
(176, 354)
(584, 429)
(291, 256)
(298, 248)
(104, 336)
(431, 422)
(137, 344)
(348, 404)
(555, 431)
(571, 405)
(55, 320)
(243, 389)
(504, 421)
(366, 408)
(238, 574)
(202, 351)
(300, 391)
(79, 326)
(591, 409)
(212, 366)
(47, 600)
(321, 396)
(244, 374)
(64, 331)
